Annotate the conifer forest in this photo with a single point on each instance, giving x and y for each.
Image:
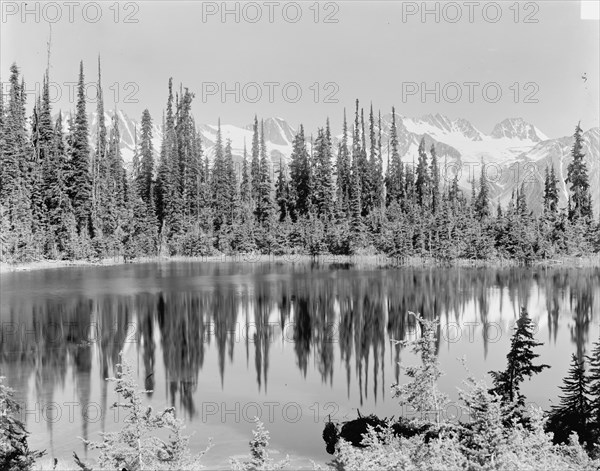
(64, 197)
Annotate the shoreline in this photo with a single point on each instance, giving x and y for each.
(372, 261)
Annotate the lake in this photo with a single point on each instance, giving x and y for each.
(292, 343)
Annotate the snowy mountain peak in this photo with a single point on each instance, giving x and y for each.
(277, 131)
(439, 126)
(128, 128)
(467, 129)
(438, 120)
(518, 128)
(592, 136)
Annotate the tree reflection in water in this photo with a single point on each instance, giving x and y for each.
(182, 311)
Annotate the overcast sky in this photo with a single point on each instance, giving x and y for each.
(380, 52)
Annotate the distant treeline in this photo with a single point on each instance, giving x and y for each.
(62, 198)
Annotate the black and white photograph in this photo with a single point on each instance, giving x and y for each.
(300, 235)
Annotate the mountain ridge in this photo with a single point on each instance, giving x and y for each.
(514, 152)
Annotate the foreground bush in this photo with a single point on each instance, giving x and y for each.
(486, 443)
(499, 435)
(148, 440)
(15, 454)
(260, 459)
(523, 450)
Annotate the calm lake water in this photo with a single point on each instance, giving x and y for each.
(293, 344)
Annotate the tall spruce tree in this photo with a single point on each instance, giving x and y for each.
(435, 180)
(473, 195)
(172, 197)
(107, 188)
(371, 164)
(521, 202)
(454, 190)
(520, 359)
(482, 201)
(245, 185)
(409, 188)
(323, 182)
(282, 192)
(41, 137)
(220, 183)
(101, 173)
(423, 180)
(572, 414)
(394, 171)
(60, 214)
(577, 176)
(160, 187)
(264, 203)
(117, 175)
(43, 132)
(145, 177)
(255, 162)
(363, 168)
(300, 177)
(112, 213)
(245, 239)
(188, 156)
(102, 133)
(232, 185)
(343, 171)
(356, 223)
(80, 182)
(550, 191)
(358, 165)
(594, 391)
(377, 178)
